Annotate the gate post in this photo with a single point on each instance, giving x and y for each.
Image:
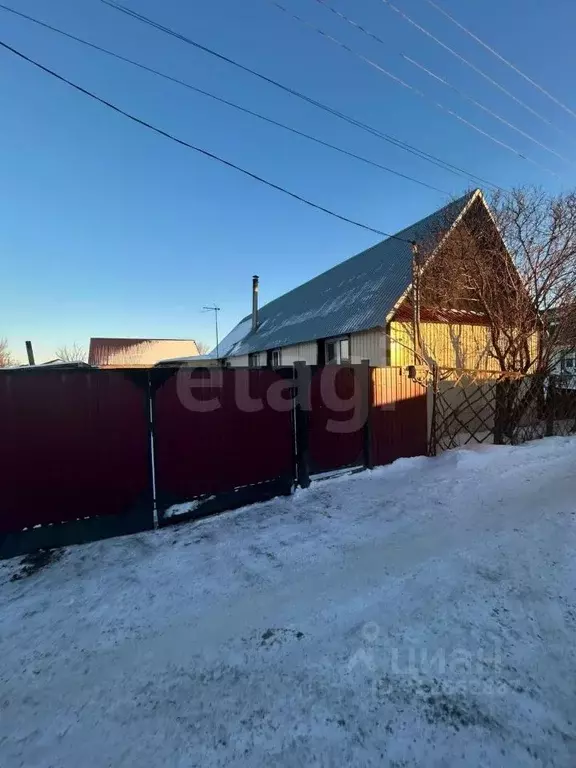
(432, 410)
(366, 385)
(302, 423)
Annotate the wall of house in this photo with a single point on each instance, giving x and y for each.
(369, 345)
(366, 345)
(307, 352)
(240, 361)
(450, 345)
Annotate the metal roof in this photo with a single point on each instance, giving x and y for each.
(355, 295)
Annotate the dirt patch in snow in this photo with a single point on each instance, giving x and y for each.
(33, 563)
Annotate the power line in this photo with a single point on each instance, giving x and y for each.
(469, 64)
(502, 58)
(224, 101)
(413, 88)
(201, 151)
(445, 82)
(445, 165)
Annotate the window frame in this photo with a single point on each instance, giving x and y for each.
(337, 344)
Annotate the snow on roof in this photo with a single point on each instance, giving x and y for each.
(355, 295)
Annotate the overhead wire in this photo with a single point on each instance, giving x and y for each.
(413, 88)
(445, 82)
(428, 157)
(199, 150)
(502, 58)
(476, 69)
(221, 100)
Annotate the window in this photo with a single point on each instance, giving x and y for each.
(568, 362)
(338, 351)
(276, 358)
(253, 360)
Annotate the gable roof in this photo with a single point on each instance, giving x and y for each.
(355, 295)
(135, 352)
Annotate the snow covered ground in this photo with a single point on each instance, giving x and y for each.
(423, 614)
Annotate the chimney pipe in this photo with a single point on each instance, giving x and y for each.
(254, 302)
(30, 353)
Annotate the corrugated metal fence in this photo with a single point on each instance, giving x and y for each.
(87, 454)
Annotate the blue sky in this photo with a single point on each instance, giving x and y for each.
(109, 230)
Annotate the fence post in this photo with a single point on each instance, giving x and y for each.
(302, 423)
(432, 393)
(499, 407)
(550, 401)
(367, 396)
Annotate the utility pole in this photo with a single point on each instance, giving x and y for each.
(214, 309)
(416, 272)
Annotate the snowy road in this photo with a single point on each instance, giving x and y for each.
(419, 614)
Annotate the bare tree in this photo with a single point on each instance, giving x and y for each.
(518, 278)
(6, 358)
(202, 347)
(73, 354)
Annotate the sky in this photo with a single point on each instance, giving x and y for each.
(107, 229)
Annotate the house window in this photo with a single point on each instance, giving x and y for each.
(253, 360)
(338, 351)
(276, 358)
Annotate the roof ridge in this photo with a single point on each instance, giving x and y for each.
(354, 294)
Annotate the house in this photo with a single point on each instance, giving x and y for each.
(560, 324)
(130, 353)
(362, 308)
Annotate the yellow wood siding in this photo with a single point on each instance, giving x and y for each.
(369, 345)
(450, 345)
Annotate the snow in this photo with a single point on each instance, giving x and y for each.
(422, 614)
(176, 510)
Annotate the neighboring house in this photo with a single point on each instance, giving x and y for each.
(562, 326)
(130, 353)
(361, 310)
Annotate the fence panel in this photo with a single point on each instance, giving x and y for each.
(74, 445)
(335, 422)
(502, 407)
(222, 438)
(398, 416)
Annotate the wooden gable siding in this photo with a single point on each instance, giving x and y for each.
(449, 345)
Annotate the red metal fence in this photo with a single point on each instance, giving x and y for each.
(337, 397)
(76, 445)
(398, 416)
(218, 434)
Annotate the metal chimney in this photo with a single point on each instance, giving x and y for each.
(255, 302)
